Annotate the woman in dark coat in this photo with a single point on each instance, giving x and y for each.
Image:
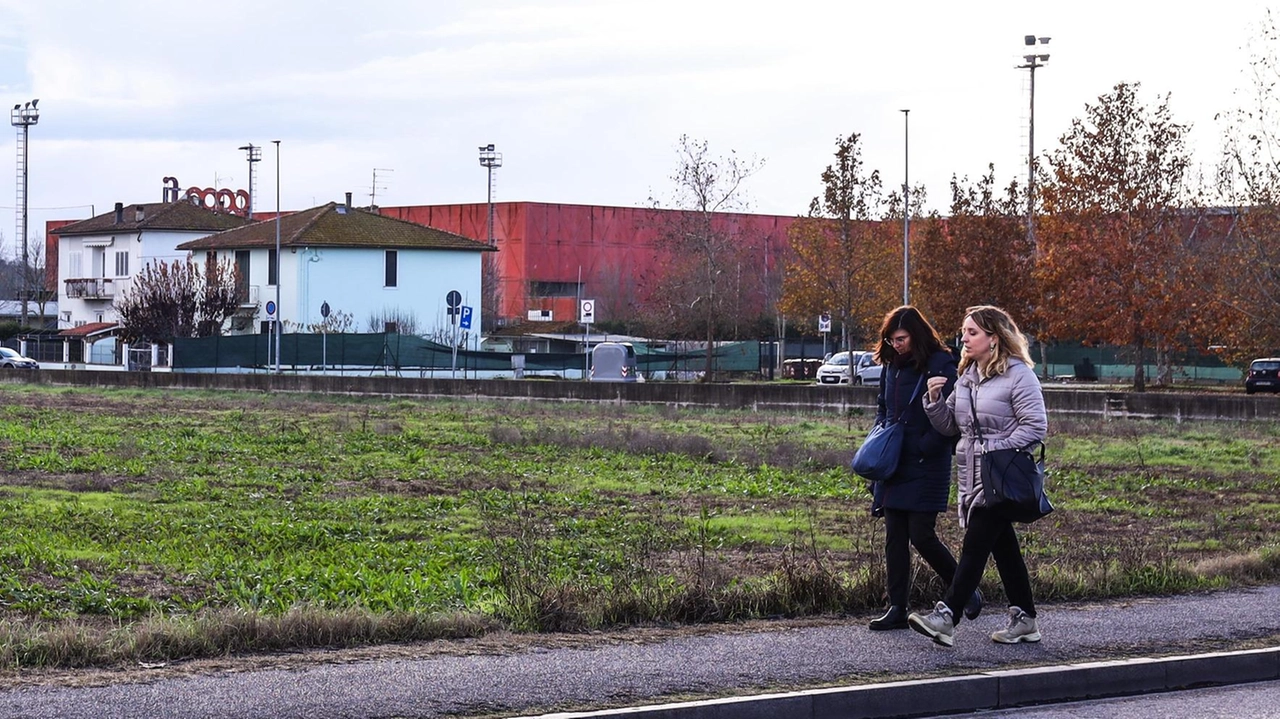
(910, 352)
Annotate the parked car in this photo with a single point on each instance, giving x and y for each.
(849, 368)
(1263, 374)
(11, 359)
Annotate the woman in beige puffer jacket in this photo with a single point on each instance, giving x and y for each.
(996, 379)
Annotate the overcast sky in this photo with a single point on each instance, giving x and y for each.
(585, 99)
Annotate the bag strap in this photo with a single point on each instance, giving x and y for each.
(914, 393)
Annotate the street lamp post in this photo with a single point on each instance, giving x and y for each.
(1032, 60)
(23, 117)
(906, 207)
(255, 155)
(279, 259)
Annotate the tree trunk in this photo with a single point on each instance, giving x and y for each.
(1140, 366)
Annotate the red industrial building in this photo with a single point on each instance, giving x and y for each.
(550, 255)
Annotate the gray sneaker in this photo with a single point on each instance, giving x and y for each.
(1022, 628)
(937, 625)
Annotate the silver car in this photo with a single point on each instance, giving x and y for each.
(11, 359)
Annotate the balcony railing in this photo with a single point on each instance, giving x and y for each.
(247, 295)
(91, 288)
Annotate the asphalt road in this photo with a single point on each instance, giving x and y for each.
(620, 672)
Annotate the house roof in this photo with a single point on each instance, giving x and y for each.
(155, 216)
(86, 330)
(336, 225)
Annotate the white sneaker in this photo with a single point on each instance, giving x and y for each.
(937, 625)
(1022, 628)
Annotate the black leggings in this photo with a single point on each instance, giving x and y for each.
(917, 529)
(990, 535)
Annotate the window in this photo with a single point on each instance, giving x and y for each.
(273, 267)
(242, 276)
(391, 269)
(75, 265)
(122, 264)
(541, 288)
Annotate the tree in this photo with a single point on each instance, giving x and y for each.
(704, 248)
(41, 288)
(839, 252)
(1116, 258)
(1250, 180)
(169, 300)
(978, 255)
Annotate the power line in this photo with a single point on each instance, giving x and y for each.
(63, 207)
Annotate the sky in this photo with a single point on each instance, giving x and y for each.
(585, 99)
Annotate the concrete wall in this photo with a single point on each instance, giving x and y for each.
(757, 397)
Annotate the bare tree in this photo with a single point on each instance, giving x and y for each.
(169, 300)
(1249, 178)
(704, 246)
(405, 322)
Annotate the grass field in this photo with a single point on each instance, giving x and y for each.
(154, 525)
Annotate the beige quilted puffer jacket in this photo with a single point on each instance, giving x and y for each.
(1010, 411)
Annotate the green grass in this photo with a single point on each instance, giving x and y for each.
(145, 524)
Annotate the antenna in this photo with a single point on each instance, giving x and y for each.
(373, 189)
(218, 179)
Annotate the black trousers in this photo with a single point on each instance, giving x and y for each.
(990, 535)
(917, 529)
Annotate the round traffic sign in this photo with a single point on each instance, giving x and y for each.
(453, 299)
(271, 307)
(324, 309)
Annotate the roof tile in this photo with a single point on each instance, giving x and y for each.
(335, 225)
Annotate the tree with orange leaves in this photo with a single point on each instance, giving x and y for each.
(840, 253)
(978, 255)
(1118, 259)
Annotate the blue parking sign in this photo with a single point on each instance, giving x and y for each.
(465, 320)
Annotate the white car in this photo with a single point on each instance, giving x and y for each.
(849, 368)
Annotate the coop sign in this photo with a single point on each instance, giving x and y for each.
(235, 202)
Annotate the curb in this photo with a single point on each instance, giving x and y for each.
(1000, 689)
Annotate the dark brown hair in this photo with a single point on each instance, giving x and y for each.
(925, 340)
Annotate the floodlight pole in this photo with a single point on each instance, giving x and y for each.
(23, 117)
(1033, 60)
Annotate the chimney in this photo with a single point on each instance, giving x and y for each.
(119, 213)
(348, 200)
(140, 214)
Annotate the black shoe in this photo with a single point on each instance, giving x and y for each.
(895, 618)
(973, 607)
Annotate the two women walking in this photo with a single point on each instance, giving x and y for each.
(993, 394)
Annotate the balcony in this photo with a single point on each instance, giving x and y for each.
(247, 296)
(91, 288)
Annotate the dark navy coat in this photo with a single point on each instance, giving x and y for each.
(923, 480)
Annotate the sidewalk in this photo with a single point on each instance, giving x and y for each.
(844, 670)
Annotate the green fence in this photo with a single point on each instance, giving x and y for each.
(396, 352)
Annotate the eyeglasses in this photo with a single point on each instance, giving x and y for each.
(896, 340)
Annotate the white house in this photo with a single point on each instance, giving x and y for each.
(382, 273)
(98, 257)
(97, 260)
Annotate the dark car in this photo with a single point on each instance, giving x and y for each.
(1263, 374)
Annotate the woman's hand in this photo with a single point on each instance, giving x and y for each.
(935, 385)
